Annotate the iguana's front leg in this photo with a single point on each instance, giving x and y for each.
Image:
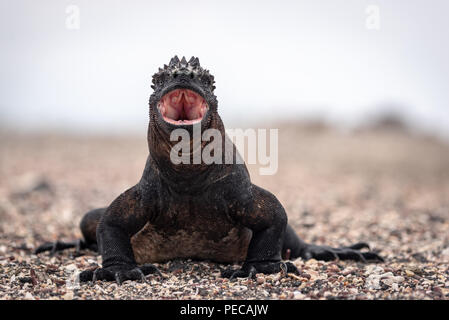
(266, 218)
(124, 217)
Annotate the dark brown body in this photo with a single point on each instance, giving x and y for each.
(194, 220)
(196, 231)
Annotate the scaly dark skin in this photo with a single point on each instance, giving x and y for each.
(199, 211)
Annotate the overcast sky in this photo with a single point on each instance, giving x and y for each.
(271, 59)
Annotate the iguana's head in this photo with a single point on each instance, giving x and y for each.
(183, 98)
(183, 94)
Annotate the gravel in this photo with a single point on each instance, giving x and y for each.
(385, 187)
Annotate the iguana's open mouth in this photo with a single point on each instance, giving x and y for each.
(182, 106)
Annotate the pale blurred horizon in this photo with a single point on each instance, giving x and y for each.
(273, 61)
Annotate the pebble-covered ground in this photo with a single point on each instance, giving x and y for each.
(385, 187)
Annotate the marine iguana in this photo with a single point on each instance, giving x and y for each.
(200, 211)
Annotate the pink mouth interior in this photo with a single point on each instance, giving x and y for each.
(182, 106)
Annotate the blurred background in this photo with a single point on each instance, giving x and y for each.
(358, 89)
(86, 66)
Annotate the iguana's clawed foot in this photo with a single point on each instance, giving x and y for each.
(249, 270)
(119, 273)
(56, 246)
(353, 252)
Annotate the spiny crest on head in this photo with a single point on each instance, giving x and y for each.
(176, 67)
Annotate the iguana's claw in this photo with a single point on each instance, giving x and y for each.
(119, 273)
(327, 253)
(239, 273)
(249, 270)
(57, 246)
(150, 269)
(134, 274)
(359, 246)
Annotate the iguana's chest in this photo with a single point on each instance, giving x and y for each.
(196, 227)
